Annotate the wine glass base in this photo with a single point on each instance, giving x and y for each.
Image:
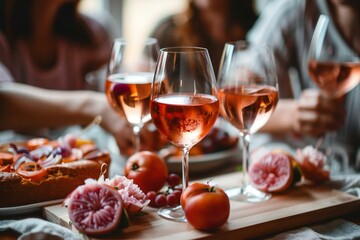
(247, 194)
(175, 214)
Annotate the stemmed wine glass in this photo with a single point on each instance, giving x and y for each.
(184, 105)
(248, 94)
(335, 72)
(128, 82)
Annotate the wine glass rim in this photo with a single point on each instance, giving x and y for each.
(244, 43)
(179, 49)
(148, 40)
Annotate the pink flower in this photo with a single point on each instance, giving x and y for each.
(312, 163)
(134, 199)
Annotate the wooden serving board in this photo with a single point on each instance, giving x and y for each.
(301, 206)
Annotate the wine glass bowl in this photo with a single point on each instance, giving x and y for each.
(184, 104)
(128, 82)
(335, 72)
(248, 94)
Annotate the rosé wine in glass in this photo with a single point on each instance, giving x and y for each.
(128, 81)
(335, 79)
(184, 119)
(129, 94)
(184, 105)
(247, 107)
(336, 72)
(248, 95)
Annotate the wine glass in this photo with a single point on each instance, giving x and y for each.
(335, 72)
(128, 82)
(184, 105)
(248, 94)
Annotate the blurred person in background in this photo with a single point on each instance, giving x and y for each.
(302, 111)
(50, 44)
(209, 24)
(46, 50)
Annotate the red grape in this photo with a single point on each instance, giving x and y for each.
(177, 193)
(169, 196)
(172, 199)
(173, 180)
(151, 196)
(160, 200)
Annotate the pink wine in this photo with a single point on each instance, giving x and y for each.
(129, 95)
(184, 119)
(335, 79)
(247, 108)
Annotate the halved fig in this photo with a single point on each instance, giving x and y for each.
(273, 172)
(94, 208)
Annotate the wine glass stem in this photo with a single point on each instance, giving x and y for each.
(245, 142)
(136, 132)
(185, 167)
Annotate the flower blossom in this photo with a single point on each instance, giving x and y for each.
(312, 163)
(134, 199)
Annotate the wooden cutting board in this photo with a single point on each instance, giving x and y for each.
(301, 206)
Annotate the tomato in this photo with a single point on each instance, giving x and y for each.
(36, 142)
(31, 170)
(206, 207)
(148, 171)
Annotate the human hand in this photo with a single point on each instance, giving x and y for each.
(150, 138)
(317, 114)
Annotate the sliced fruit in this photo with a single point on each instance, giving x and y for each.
(6, 158)
(273, 172)
(95, 209)
(31, 170)
(5, 168)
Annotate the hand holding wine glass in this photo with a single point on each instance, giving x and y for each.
(128, 83)
(184, 104)
(248, 94)
(335, 72)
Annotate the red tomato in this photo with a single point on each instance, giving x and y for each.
(148, 171)
(31, 170)
(206, 207)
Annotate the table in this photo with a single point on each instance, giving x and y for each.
(354, 217)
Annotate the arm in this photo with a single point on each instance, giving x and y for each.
(23, 107)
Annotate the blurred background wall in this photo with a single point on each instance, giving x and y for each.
(136, 18)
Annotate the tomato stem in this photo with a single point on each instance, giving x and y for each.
(135, 166)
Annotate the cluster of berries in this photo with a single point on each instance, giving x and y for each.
(169, 195)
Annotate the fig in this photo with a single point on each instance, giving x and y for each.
(273, 172)
(94, 208)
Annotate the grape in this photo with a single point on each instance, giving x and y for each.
(169, 196)
(151, 196)
(173, 180)
(177, 193)
(172, 199)
(160, 200)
